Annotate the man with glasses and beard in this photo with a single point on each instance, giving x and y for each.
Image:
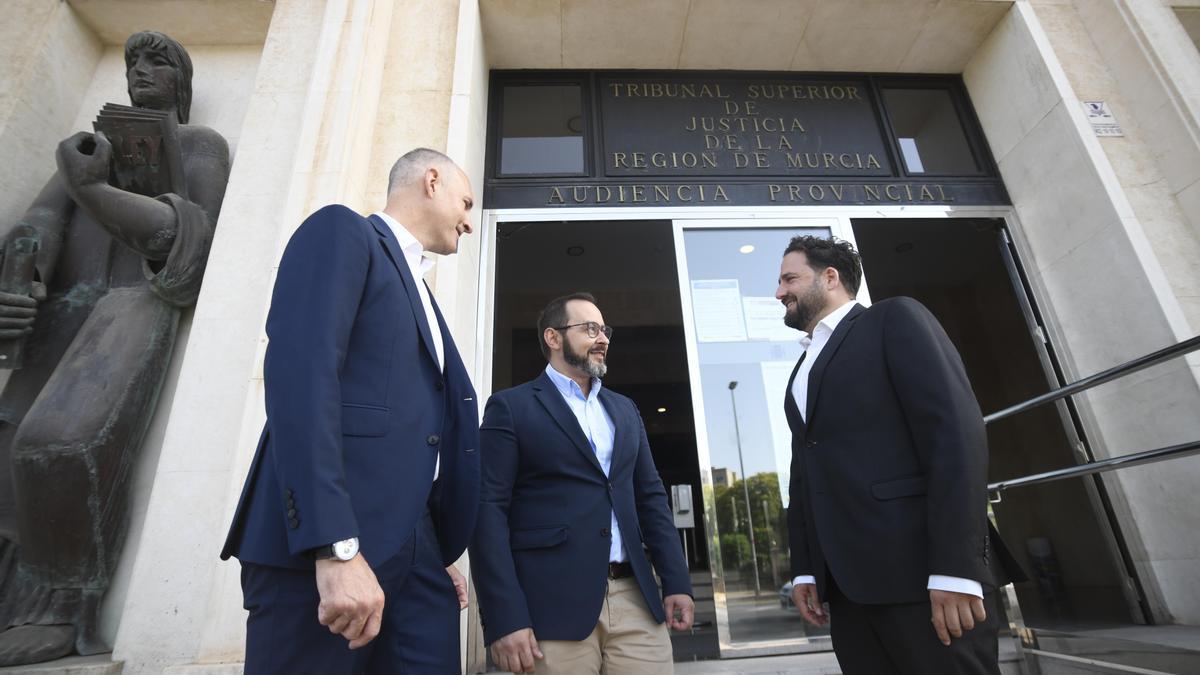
(571, 504)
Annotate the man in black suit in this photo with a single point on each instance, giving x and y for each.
(888, 493)
(573, 518)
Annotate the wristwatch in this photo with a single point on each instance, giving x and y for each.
(339, 550)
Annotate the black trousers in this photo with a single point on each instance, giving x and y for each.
(900, 640)
(419, 633)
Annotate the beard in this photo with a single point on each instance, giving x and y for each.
(806, 308)
(582, 362)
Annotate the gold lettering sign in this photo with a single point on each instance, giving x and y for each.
(796, 193)
(734, 127)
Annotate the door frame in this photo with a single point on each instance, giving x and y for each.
(840, 218)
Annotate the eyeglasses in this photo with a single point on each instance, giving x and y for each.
(593, 329)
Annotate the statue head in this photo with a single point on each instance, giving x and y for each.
(158, 73)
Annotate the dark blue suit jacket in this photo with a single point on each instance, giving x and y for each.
(540, 553)
(357, 410)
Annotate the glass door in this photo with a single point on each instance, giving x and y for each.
(740, 357)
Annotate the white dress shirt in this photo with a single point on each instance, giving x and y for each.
(418, 265)
(812, 350)
(600, 432)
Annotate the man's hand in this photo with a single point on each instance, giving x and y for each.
(804, 596)
(955, 613)
(680, 610)
(351, 599)
(460, 585)
(515, 652)
(17, 312)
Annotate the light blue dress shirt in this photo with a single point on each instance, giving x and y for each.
(600, 431)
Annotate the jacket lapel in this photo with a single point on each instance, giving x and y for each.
(818, 369)
(392, 247)
(547, 394)
(623, 435)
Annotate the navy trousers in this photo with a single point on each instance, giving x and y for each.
(418, 636)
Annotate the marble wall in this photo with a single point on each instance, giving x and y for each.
(1103, 290)
(335, 90)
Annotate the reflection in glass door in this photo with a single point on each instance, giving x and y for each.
(740, 357)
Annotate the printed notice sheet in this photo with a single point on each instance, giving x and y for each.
(717, 309)
(764, 320)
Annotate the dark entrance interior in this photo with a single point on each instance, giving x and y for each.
(630, 267)
(1057, 531)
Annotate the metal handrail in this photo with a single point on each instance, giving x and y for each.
(1112, 463)
(1133, 366)
(1101, 466)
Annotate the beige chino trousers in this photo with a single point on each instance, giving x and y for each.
(626, 641)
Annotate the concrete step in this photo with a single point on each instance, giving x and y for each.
(1144, 649)
(818, 663)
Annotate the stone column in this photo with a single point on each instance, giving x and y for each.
(302, 146)
(1104, 292)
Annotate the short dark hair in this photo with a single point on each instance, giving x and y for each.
(822, 252)
(554, 314)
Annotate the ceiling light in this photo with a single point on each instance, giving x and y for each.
(662, 410)
(574, 251)
(748, 248)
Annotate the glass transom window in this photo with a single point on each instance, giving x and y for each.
(929, 132)
(542, 130)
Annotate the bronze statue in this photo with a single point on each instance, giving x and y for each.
(112, 271)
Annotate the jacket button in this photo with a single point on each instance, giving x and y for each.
(433, 439)
(439, 386)
(604, 532)
(294, 522)
(291, 513)
(470, 450)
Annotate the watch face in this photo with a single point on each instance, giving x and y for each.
(346, 549)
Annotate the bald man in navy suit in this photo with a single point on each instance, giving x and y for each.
(365, 483)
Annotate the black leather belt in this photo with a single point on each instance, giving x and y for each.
(619, 570)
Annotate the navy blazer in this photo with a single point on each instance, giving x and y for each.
(891, 462)
(540, 553)
(357, 410)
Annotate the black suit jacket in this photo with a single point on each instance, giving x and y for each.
(889, 474)
(540, 552)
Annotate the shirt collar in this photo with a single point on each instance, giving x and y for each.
(568, 387)
(413, 251)
(828, 324)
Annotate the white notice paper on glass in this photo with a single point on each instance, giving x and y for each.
(775, 375)
(717, 310)
(764, 320)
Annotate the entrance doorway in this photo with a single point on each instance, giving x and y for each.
(700, 347)
(1057, 531)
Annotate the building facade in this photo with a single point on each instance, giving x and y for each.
(1029, 169)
